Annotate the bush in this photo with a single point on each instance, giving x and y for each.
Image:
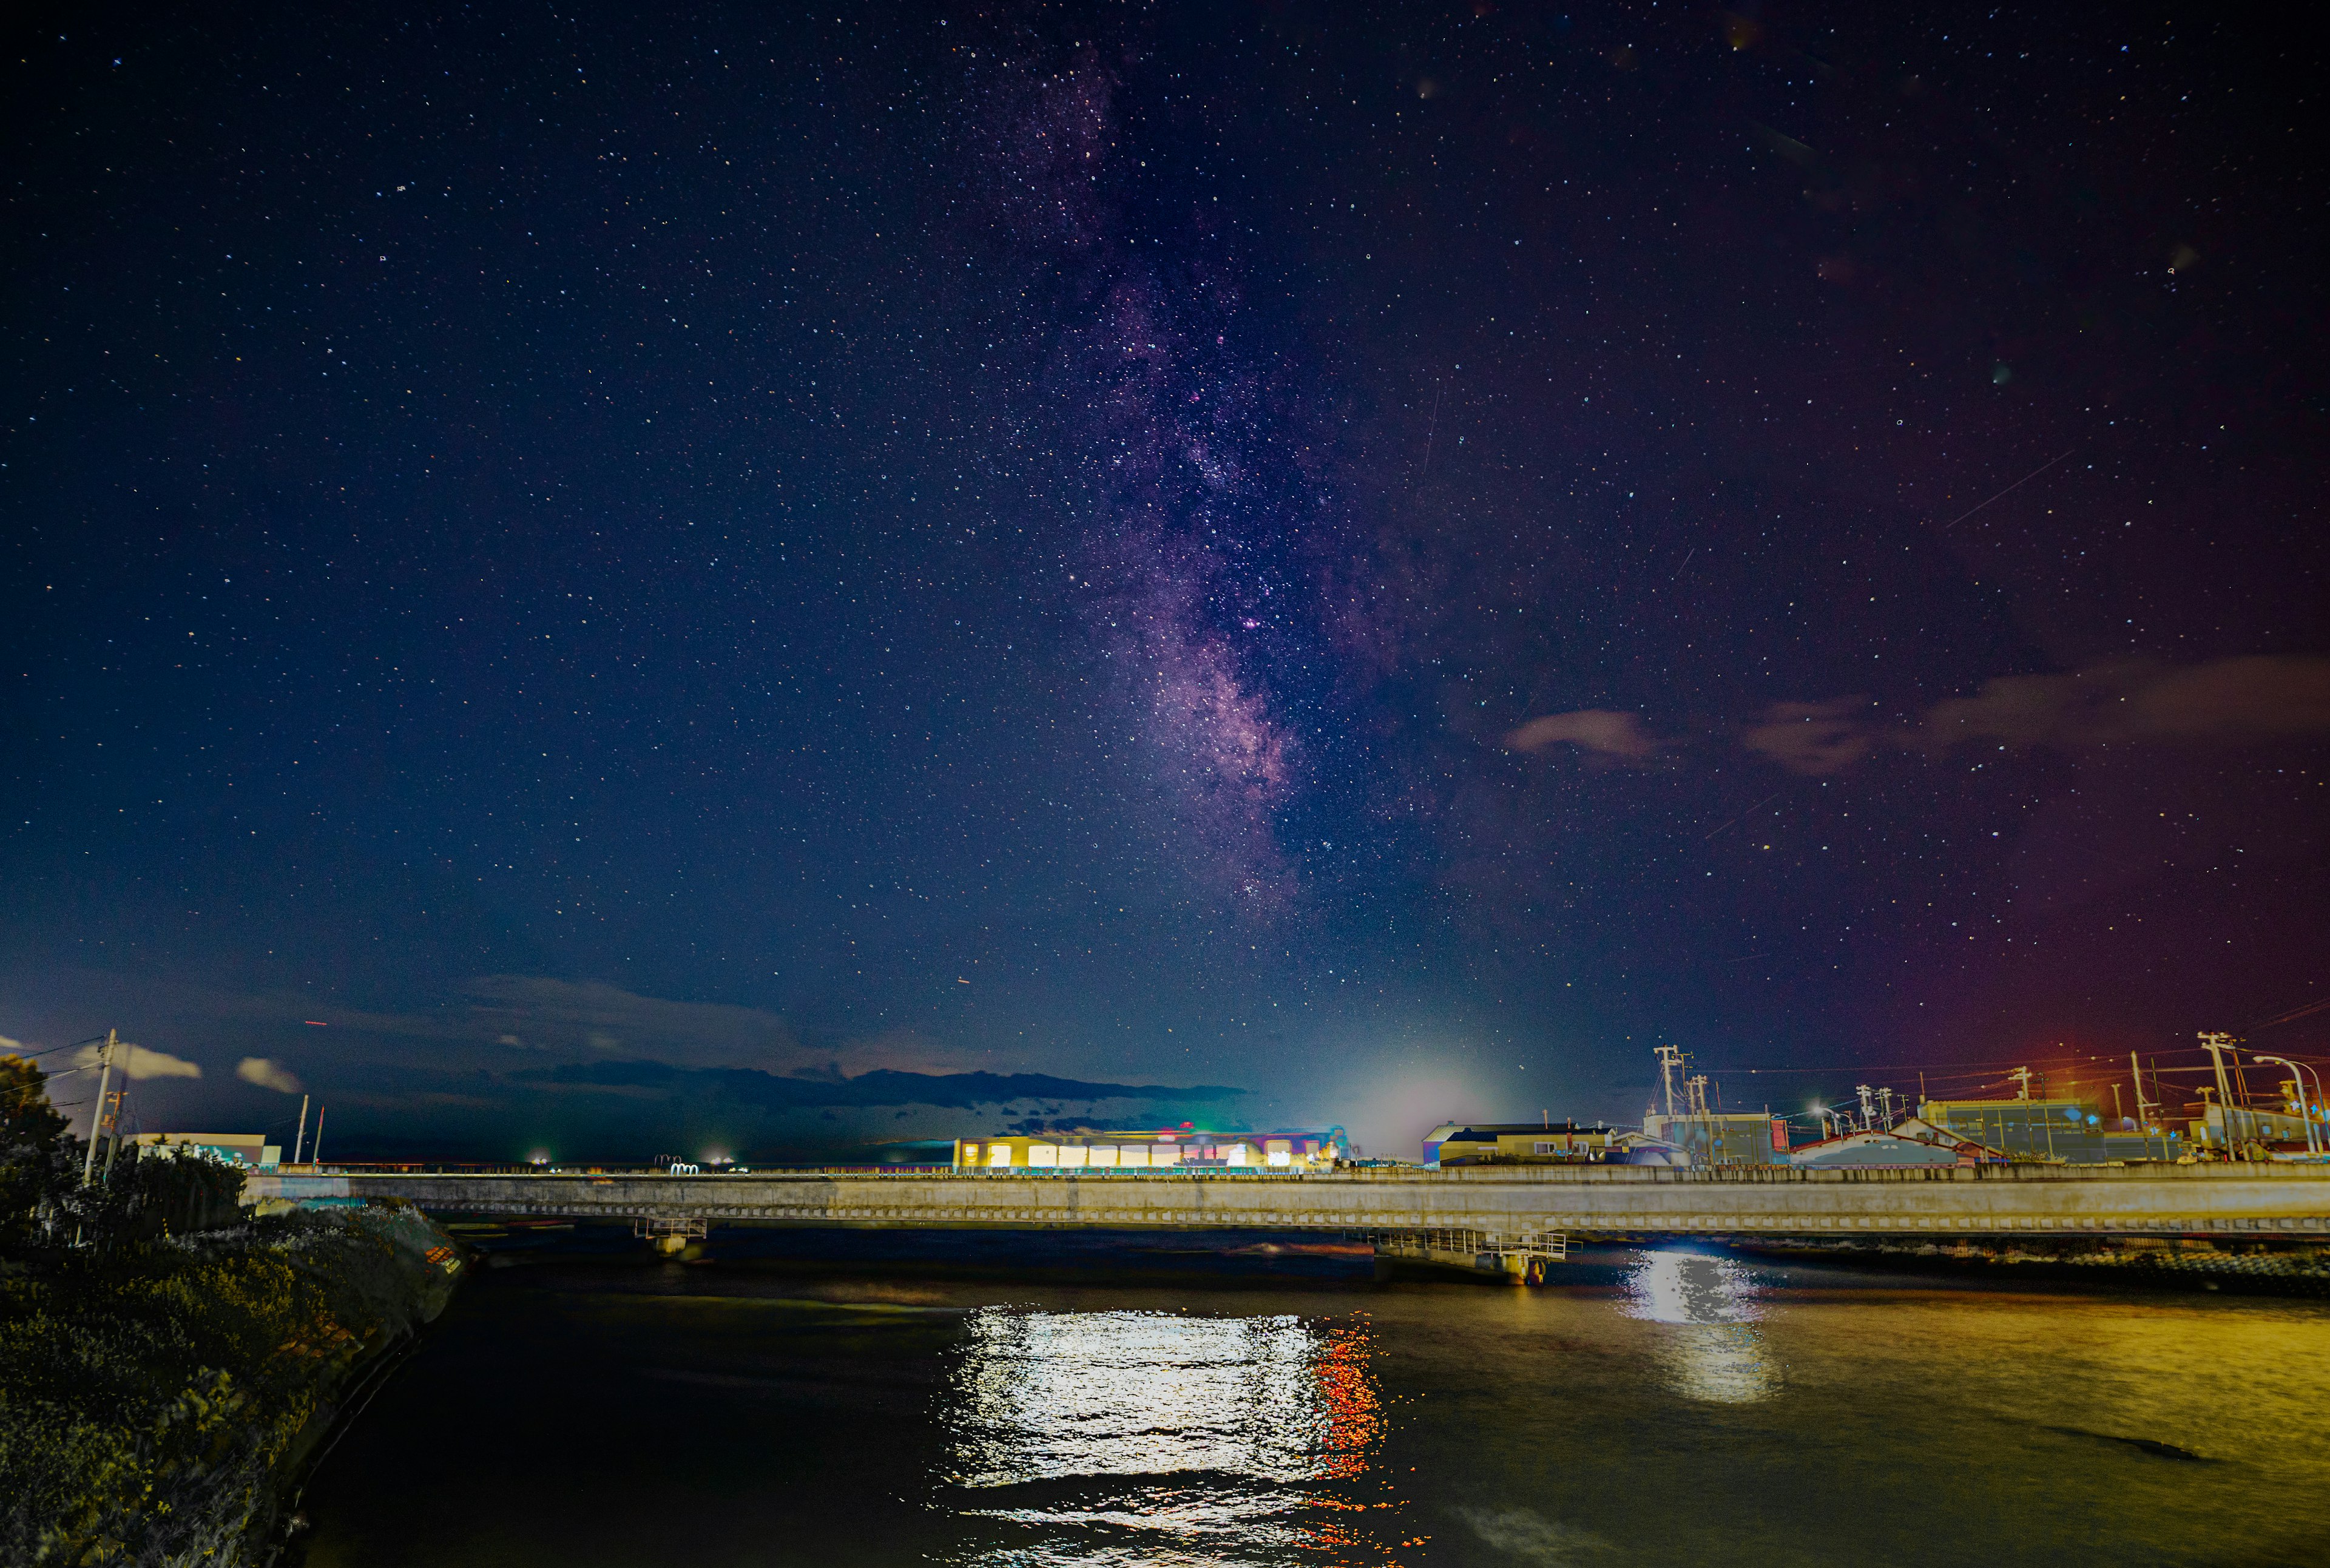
(152, 1395)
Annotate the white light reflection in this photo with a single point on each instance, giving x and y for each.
(1713, 1351)
(1233, 1426)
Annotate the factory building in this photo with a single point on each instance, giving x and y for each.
(1515, 1143)
(2250, 1125)
(1724, 1138)
(1291, 1149)
(247, 1149)
(2068, 1131)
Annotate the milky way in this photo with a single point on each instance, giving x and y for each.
(1164, 402)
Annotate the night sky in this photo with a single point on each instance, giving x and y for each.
(1386, 558)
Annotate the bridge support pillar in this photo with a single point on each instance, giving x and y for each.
(1522, 1259)
(670, 1237)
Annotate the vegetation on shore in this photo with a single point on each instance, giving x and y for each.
(165, 1363)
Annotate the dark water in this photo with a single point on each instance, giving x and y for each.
(1660, 1407)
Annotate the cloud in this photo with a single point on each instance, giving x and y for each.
(532, 1013)
(2226, 700)
(2124, 702)
(1813, 737)
(882, 1087)
(138, 1062)
(263, 1072)
(1599, 730)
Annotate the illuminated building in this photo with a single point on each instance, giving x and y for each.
(1286, 1149)
(250, 1149)
(1516, 1143)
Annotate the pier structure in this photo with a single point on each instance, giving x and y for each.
(1529, 1211)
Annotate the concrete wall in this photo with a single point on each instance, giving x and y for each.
(2208, 1199)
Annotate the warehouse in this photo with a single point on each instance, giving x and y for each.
(1181, 1149)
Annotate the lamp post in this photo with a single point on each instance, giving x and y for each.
(2312, 1134)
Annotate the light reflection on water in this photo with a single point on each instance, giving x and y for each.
(1672, 1408)
(1709, 1346)
(1160, 1437)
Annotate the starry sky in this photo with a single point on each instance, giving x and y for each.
(614, 579)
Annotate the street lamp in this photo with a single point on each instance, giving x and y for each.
(2312, 1134)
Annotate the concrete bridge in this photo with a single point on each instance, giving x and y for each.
(1540, 1203)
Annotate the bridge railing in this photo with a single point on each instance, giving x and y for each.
(1490, 1175)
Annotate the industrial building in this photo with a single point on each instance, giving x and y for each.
(2250, 1125)
(1515, 1143)
(247, 1149)
(2071, 1131)
(1724, 1138)
(1708, 1135)
(1287, 1149)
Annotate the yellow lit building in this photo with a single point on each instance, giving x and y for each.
(1515, 1143)
(1289, 1149)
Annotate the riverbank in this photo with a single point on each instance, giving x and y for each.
(156, 1405)
(2261, 1267)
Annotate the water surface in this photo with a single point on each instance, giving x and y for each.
(1665, 1406)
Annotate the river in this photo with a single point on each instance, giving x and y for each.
(1281, 1407)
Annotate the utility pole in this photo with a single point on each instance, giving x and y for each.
(318, 1151)
(2216, 1043)
(299, 1140)
(104, 1077)
(2022, 1076)
(112, 1112)
(1670, 1063)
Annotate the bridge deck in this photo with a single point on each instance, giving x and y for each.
(2257, 1200)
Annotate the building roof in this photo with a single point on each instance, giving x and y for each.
(1911, 1141)
(1485, 1132)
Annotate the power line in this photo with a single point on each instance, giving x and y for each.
(2293, 1015)
(52, 1049)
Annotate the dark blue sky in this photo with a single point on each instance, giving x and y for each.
(1388, 558)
